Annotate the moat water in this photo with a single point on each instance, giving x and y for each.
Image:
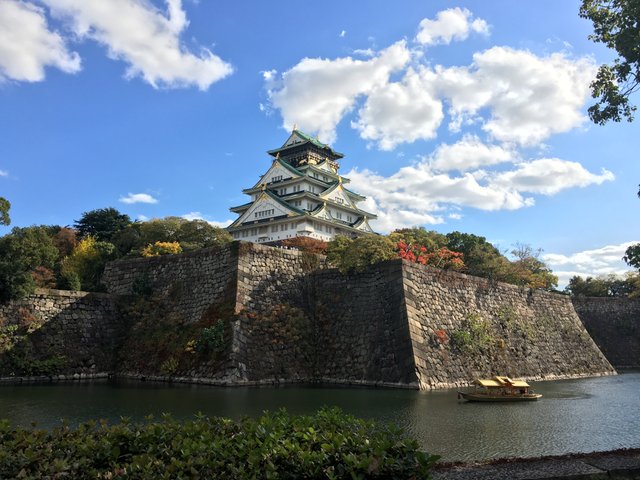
(574, 416)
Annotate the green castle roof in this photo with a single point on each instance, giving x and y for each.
(308, 139)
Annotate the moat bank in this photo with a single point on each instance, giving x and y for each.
(582, 415)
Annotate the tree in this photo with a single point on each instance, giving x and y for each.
(616, 23)
(350, 255)
(439, 257)
(161, 248)
(24, 254)
(87, 263)
(528, 270)
(102, 223)
(632, 256)
(429, 239)
(307, 244)
(5, 205)
(481, 258)
(195, 234)
(604, 286)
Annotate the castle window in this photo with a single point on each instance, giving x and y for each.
(264, 213)
(274, 228)
(339, 215)
(277, 178)
(283, 191)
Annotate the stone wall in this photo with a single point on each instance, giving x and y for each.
(251, 314)
(295, 324)
(466, 327)
(59, 332)
(614, 324)
(192, 281)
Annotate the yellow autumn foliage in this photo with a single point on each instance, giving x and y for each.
(161, 248)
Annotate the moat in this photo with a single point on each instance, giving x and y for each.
(582, 415)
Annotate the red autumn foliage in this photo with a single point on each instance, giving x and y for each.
(306, 244)
(440, 258)
(43, 277)
(441, 336)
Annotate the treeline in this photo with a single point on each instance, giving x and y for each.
(464, 252)
(73, 258)
(605, 286)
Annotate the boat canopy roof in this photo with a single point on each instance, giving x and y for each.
(500, 382)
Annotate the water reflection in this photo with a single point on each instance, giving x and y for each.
(573, 416)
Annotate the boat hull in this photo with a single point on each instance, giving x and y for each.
(479, 397)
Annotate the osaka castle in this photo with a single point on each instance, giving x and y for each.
(301, 194)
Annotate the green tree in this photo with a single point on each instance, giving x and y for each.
(102, 223)
(190, 234)
(87, 263)
(528, 270)
(632, 256)
(603, 286)
(430, 239)
(349, 255)
(481, 258)
(5, 205)
(195, 234)
(616, 24)
(22, 252)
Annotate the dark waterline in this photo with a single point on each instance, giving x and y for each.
(582, 415)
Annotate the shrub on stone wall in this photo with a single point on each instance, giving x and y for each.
(328, 445)
(161, 341)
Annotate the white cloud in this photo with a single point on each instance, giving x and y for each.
(342, 33)
(427, 193)
(142, 218)
(529, 97)
(316, 93)
(400, 112)
(548, 176)
(27, 45)
(4, 173)
(146, 38)
(200, 216)
(365, 52)
(469, 153)
(138, 198)
(451, 24)
(589, 263)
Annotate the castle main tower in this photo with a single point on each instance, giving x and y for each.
(301, 194)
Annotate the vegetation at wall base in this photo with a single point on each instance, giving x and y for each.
(328, 444)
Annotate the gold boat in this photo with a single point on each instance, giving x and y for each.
(500, 389)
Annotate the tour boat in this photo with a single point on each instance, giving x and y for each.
(500, 389)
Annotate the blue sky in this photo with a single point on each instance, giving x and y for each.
(465, 116)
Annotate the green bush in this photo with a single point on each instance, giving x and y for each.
(328, 445)
(211, 338)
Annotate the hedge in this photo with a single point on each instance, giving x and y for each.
(328, 444)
